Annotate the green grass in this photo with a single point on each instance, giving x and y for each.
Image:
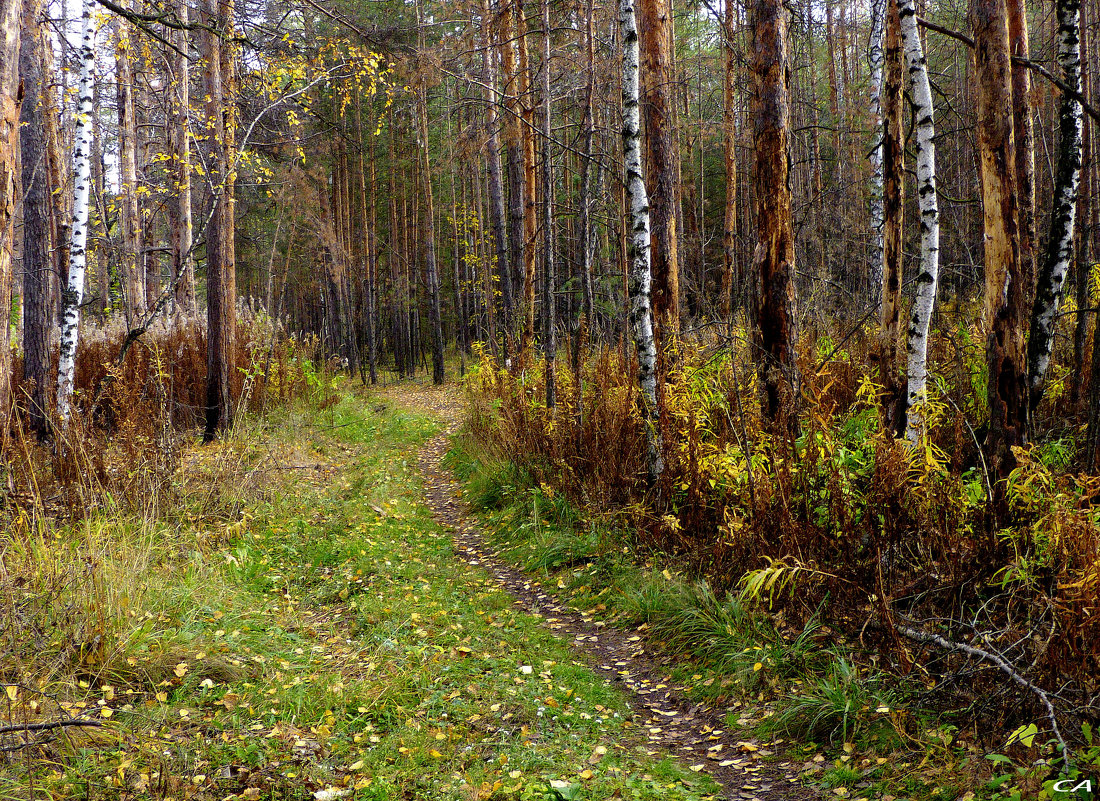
(802, 687)
(328, 637)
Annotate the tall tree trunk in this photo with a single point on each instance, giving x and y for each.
(496, 178)
(82, 186)
(929, 271)
(892, 166)
(368, 211)
(775, 333)
(641, 314)
(530, 199)
(587, 199)
(1023, 134)
(549, 297)
(729, 155)
(1004, 313)
(517, 184)
(221, 282)
(61, 189)
(179, 148)
(1085, 203)
(1059, 252)
(133, 266)
(434, 311)
(37, 260)
(9, 177)
(654, 20)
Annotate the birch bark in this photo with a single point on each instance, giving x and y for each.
(928, 274)
(876, 58)
(638, 247)
(1059, 252)
(73, 295)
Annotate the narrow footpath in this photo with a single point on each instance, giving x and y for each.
(667, 721)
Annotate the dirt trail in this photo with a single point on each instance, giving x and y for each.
(693, 733)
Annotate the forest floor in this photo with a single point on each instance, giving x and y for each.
(328, 644)
(348, 632)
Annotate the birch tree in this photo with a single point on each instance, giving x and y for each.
(876, 57)
(73, 295)
(929, 271)
(638, 247)
(1059, 250)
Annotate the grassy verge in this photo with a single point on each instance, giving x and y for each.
(859, 732)
(298, 625)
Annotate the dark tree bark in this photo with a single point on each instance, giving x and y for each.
(775, 333)
(221, 280)
(893, 402)
(37, 260)
(654, 21)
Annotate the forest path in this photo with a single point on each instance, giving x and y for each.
(665, 720)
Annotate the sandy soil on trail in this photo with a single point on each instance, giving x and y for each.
(695, 734)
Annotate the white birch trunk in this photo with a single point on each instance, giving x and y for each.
(641, 313)
(928, 276)
(73, 295)
(1052, 274)
(876, 58)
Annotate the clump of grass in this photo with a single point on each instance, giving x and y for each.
(839, 705)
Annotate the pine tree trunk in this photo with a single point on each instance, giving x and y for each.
(221, 286)
(1004, 313)
(530, 200)
(496, 177)
(82, 185)
(368, 211)
(654, 20)
(434, 311)
(37, 260)
(775, 333)
(517, 191)
(641, 314)
(729, 155)
(133, 266)
(9, 178)
(588, 186)
(549, 297)
(929, 270)
(1059, 252)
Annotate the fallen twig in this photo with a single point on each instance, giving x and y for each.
(53, 724)
(1000, 662)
